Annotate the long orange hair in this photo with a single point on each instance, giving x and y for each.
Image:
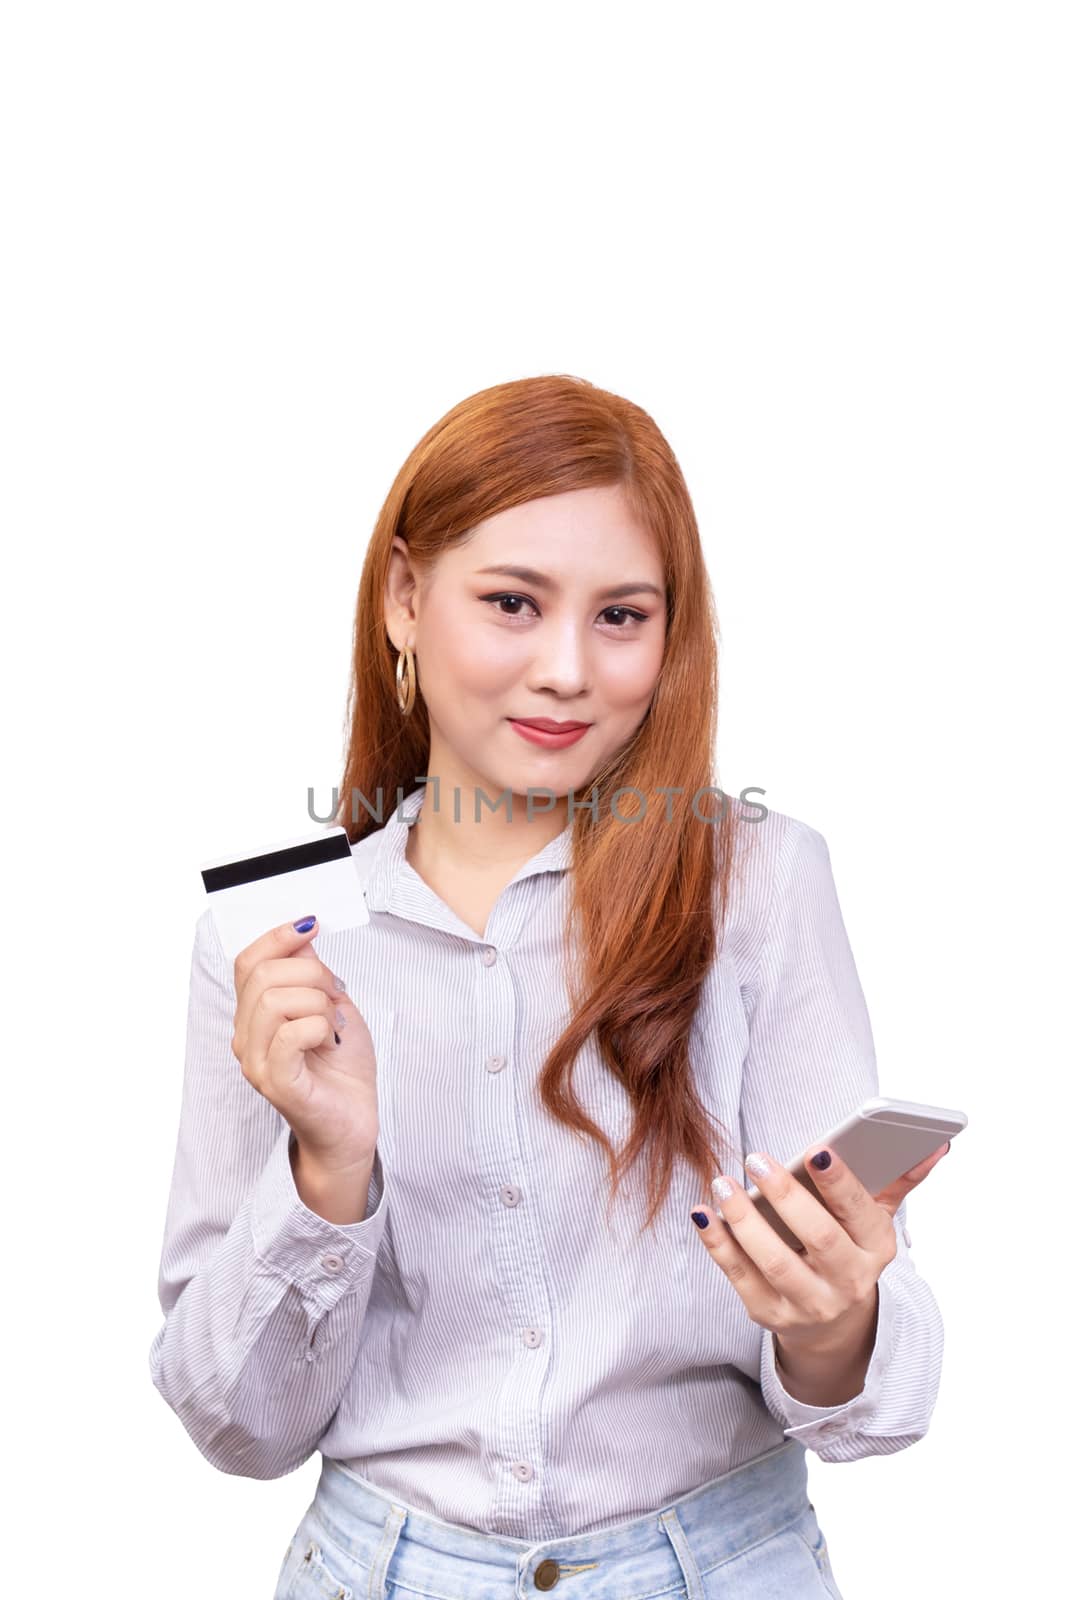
(646, 951)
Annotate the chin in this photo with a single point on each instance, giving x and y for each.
(518, 783)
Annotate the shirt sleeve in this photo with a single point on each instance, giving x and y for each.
(810, 1063)
(263, 1299)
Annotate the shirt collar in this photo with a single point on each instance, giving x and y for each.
(391, 862)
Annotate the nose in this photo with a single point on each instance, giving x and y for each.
(560, 660)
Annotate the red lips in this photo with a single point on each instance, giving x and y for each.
(547, 725)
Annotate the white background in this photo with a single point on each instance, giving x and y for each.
(252, 252)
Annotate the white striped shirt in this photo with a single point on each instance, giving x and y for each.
(488, 1345)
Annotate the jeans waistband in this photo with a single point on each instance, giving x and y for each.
(708, 1525)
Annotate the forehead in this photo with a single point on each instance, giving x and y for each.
(583, 533)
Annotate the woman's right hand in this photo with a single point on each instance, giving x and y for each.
(289, 1011)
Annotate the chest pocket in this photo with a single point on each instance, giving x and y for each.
(400, 1113)
(430, 1130)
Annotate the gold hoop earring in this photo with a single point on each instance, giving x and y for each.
(405, 680)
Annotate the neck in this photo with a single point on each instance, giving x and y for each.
(459, 836)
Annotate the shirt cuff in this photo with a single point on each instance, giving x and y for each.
(325, 1260)
(816, 1425)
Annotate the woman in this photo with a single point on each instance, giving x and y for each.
(386, 1237)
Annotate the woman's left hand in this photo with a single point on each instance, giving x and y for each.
(816, 1300)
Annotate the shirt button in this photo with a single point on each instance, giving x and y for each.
(522, 1470)
(532, 1337)
(509, 1194)
(494, 1063)
(331, 1262)
(489, 955)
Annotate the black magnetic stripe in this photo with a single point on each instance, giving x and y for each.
(313, 854)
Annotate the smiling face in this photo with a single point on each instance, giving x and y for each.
(582, 642)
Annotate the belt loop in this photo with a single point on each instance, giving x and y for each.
(384, 1554)
(694, 1583)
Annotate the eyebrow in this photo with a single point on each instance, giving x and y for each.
(530, 575)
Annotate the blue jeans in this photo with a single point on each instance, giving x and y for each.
(750, 1533)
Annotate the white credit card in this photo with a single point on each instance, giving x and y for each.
(312, 875)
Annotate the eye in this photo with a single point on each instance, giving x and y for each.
(498, 599)
(627, 613)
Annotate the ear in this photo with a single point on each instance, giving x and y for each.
(399, 598)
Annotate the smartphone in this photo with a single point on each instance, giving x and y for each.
(880, 1140)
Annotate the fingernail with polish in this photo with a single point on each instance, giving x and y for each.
(700, 1218)
(304, 924)
(821, 1159)
(758, 1165)
(722, 1188)
(340, 1018)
